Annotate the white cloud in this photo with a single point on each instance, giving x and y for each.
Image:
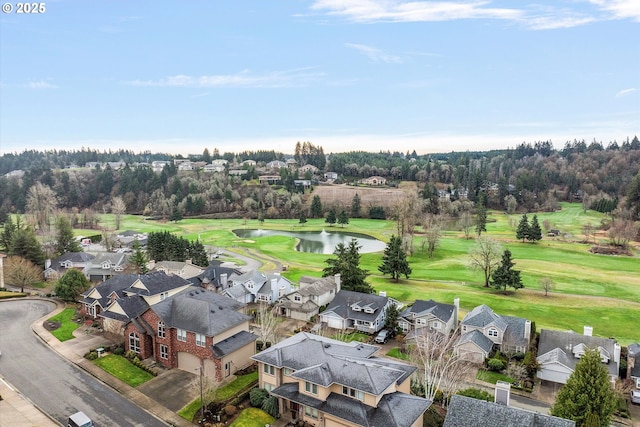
(376, 55)
(626, 92)
(291, 78)
(620, 9)
(41, 84)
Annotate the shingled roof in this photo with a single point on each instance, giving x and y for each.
(421, 308)
(344, 301)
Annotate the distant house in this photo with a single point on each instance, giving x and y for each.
(328, 382)
(633, 364)
(331, 176)
(184, 269)
(192, 330)
(560, 351)
(54, 269)
(469, 412)
(212, 168)
(127, 238)
(302, 183)
(374, 180)
(215, 277)
(483, 330)
(355, 310)
(269, 179)
(255, 286)
(276, 165)
(158, 165)
(308, 168)
(249, 163)
(237, 172)
(106, 265)
(429, 314)
(185, 166)
(313, 293)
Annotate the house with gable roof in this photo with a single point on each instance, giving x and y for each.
(215, 277)
(192, 330)
(482, 330)
(305, 302)
(185, 269)
(429, 314)
(105, 265)
(332, 383)
(469, 412)
(560, 351)
(122, 297)
(356, 310)
(54, 269)
(256, 286)
(633, 364)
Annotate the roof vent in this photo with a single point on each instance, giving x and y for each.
(220, 307)
(327, 345)
(212, 311)
(190, 294)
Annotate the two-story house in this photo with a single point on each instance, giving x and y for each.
(482, 330)
(559, 352)
(185, 269)
(54, 269)
(355, 310)
(332, 383)
(255, 286)
(429, 314)
(105, 265)
(196, 329)
(215, 277)
(313, 293)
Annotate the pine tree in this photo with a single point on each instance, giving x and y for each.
(343, 219)
(505, 275)
(65, 240)
(394, 260)
(331, 217)
(535, 232)
(481, 219)
(71, 285)
(139, 258)
(303, 217)
(316, 207)
(176, 215)
(24, 243)
(355, 206)
(587, 398)
(347, 264)
(523, 231)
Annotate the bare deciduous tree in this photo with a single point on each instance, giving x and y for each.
(21, 272)
(466, 223)
(118, 209)
(41, 205)
(546, 284)
(622, 231)
(432, 234)
(485, 256)
(267, 324)
(439, 367)
(588, 230)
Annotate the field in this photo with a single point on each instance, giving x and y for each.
(596, 290)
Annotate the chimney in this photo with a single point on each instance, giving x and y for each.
(588, 331)
(47, 264)
(188, 261)
(616, 354)
(336, 277)
(502, 393)
(527, 330)
(456, 305)
(223, 280)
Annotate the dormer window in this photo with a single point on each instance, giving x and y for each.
(164, 296)
(492, 332)
(297, 298)
(356, 307)
(369, 310)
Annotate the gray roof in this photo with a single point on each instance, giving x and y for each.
(133, 306)
(555, 346)
(106, 288)
(634, 352)
(232, 343)
(201, 311)
(514, 333)
(74, 257)
(393, 410)
(478, 338)
(483, 316)
(236, 292)
(212, 274)
(422, 308)
(157, 282)
(310, 286)
(468, 412)
(341, 305)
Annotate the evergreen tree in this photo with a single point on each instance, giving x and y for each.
(176, 215)
(391, 317)
(587, 398)
(343, 219)
(633, 197)
(347, 264)
(394, 260)
(535, 232)
(65, 240)
(523, 231)
(481, 219)
(303, 217)
(139, 258)
(198, 254)
(6, 237)
(331, 217)
(355, 206)
(504, 275)
(26, 245)
(316, 207)
(71, 285)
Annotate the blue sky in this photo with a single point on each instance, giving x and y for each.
(178, 77)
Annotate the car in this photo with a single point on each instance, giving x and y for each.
(635, 397)
(79, 419)
(382, 337)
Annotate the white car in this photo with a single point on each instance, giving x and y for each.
(635, 396)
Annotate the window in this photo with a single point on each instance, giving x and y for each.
(134, 342)
(164, 296)
(288, 371)
(201, 340)
(297, 298)
(268, 387)
(161, 330)
(436, 325)
(91, 310)
(356, 394)
(164, 351)
(310, 388)
(310, 412)
(182, 335)
(268, 369)
(421, 321)
(493, 332)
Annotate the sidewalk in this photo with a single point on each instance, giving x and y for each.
(74, 350)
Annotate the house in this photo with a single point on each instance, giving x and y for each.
(304, 184)
(237, 172)
(185, 269)
(559, 352)
(308, 168)
(212, 168)
(469, 412)
(332, 383)
(374, 180)
(158, 165)
(185, 165)
(215, 277)
(633, 364)
(54, 269)
(482, 330)
(269, 179)
(434, 315)
(313, 293)
(276, 164)
(255, 286)
(249, 163)
(355, 310)
(122, 297)
(331, 176)
(105, 265)
(194, 330)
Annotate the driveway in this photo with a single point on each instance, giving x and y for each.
(173, 389)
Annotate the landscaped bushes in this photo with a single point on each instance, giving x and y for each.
(495, 365)
(257, 397)
(476, 394)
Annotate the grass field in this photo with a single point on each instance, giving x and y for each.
(67, 325)
(597, 290)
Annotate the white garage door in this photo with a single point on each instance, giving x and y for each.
(554, 375)
(188, 362)
(335, 323)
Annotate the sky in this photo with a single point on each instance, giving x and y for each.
(375, 75)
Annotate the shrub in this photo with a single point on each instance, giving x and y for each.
(118, 351)
(270, 406)
(476, 394)
(257, 397)
(92, 355)
(131, 355)
(495, 365)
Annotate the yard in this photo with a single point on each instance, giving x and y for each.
(65, 325)
(121, 368)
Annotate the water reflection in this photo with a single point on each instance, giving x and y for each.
(319, 242)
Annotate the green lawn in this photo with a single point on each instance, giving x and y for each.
(354, 336)
(252, 417)
(492, 377)
(67, 325)
(395, 352)
(121, 368)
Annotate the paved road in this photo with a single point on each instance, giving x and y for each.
(57, 386)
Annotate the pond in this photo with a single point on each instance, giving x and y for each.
(319, 242)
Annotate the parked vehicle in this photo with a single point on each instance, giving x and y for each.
(635, 396)
(79, 419)
(382, 337)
